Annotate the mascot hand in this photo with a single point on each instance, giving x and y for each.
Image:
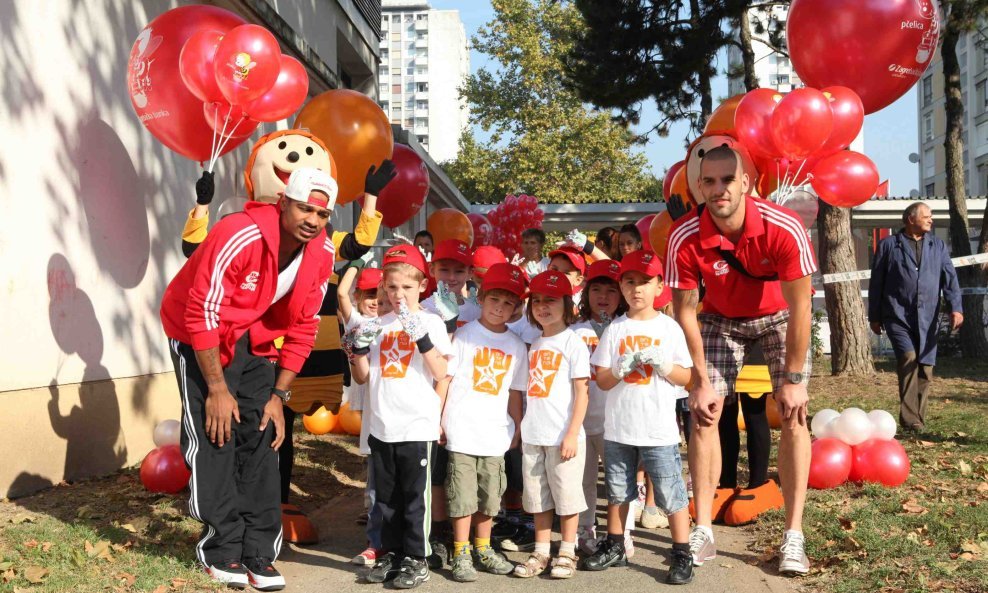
(378, 178)
(677, 206)
(205, 188)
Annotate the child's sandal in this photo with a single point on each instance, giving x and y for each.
(533, 567)
(563, 566)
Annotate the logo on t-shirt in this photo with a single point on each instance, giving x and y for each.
(490, 365)
(721, 267)
(542, 372)
(591, 342)
(396, 354)
(250, 281)
(641, 375)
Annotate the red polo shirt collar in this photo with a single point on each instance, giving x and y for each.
(712, 238)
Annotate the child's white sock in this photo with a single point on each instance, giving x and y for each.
(542, 548)
(567, 548)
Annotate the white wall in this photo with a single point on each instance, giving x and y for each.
(449, 65)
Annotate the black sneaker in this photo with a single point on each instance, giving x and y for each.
(230, 572)
(680, 568)
(263, 576)
(609, 553)
(439, 555)
(523, 540)
(413, 573)
(385, 569)
(504, 529)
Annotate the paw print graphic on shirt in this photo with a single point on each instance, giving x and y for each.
(641, 375)
(396, 354)
(544, 364)
(490, 365)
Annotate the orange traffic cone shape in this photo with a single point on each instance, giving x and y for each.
(722, 498)
(296, 527)
(749, 503)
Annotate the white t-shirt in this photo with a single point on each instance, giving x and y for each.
(286, 278)
(484, 367)
(641, 408)
(525, 330)
(553, 363)
(404, 405)
(534, 268)
(593, 422)
(468, 311)
(356, 394)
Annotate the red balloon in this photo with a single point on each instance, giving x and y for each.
(772, 172)
(887, 463)
(164, 470)
(877, 48)
(753, 118)
(667, 180)
(195, 65)
(285, 97)
(247, 63)
(845, 179)
(830, 463)
(221, 113)
(801, 123)
(848, 118)
(644, 224)
(401, 199)
(859, 462)
(483, 230)
(166, 107)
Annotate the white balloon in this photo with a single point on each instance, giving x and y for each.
(822, 424)
(853, 426)
(883, 425)
(168, 432)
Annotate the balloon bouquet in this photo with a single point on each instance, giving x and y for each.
(164, 469)
(858, 446)
(509, 220)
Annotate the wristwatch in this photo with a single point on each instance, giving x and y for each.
(284, 394)
(794, 378)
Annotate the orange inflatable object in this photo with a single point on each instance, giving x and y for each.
(681, 187)
(322, 421)
(449, 223)
(296, 527)
(356, 131)
(772, 411)
(658, 233)
(723, 117)
(709, 141)
(349, 420)
(748, 504)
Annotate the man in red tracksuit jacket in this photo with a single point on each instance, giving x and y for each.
(259, 275)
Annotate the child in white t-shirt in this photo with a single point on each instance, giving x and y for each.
(450, 266)
(482, 418)
(600, 303)
(553, 447)
(399, 355)
(640, 360)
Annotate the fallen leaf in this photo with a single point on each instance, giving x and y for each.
(8, 575)
(913, 507)
(726, 565)
(31, 544)
(35, 574)
(964, 467)
(6, 566)
(768, 555)
(967, 556)
(851, 544)
(983, 487)
(913, 537)
(969, 546)
(45, 546)
(100, 549)
(160, 589)
(126, 577)
(847, 524)
(78, 558)
(960, 434)
(128, 527)
(927, 444)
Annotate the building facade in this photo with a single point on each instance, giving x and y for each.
(424, 61)
(972, 55)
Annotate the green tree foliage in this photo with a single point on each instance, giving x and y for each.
(544, 140)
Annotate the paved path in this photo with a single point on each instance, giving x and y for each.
(326, 567)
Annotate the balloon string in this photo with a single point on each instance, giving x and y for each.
(227, 138)
(219, 147)
(212, 148)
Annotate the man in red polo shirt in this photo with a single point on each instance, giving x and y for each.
(755, 260)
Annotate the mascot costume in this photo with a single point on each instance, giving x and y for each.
(272, 160)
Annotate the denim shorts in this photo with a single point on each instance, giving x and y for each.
(663, 465)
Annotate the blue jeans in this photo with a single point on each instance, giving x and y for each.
(663, 465)
(374, 517)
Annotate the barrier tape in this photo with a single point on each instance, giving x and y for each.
(967, 260)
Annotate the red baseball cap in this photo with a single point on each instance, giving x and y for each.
(455, 250)
(506, 277)
(487, 256)
(574, 255)
(644, 261)
(605, 268)
(406, 254)
(551, 283)
(369, 278)
(664, 298)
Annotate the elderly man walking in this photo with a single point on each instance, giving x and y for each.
(911, 269)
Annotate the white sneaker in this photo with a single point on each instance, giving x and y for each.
(702, 546)
(654, 519)
(629, 546)
(586, 539)
(792, 555)
(231, 573)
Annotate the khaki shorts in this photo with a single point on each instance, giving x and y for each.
(550, 482)
(474, 484)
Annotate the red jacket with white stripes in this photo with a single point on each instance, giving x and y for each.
(227, 286)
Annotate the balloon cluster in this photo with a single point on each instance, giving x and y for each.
(323, 421)
(511, 218)
(164, 469)
(858, 446)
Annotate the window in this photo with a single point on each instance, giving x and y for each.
(382, 70)
(929, 190)
(783, 79)
(421, 104)
(384, 24)
(422, 18)
(382, 89)
(396, 36)
(396, 18)
(929, 163)
(408, 124)
(982, 98)
(422, 139)
(409, 87)
(396, 89)
(927, 90)
(396, 79)
(928, 127)
(983, 180)
(423, 87)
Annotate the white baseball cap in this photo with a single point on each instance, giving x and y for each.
(304, 181)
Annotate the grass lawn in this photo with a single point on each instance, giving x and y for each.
(931, 533)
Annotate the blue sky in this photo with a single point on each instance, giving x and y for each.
(890, 135)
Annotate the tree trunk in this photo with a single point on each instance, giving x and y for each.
(850, 344)
(747, 54)
(974, 343)
(706, 96)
